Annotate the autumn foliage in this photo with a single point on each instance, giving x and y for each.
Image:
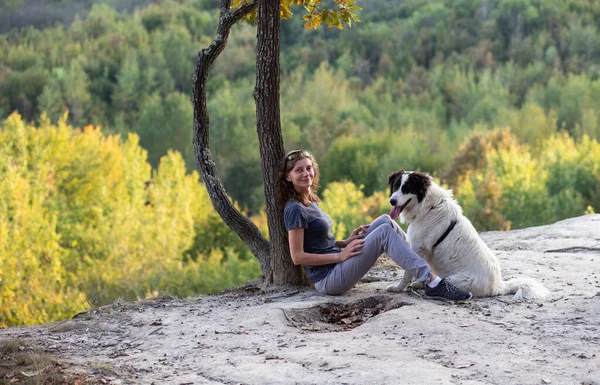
(84, 220)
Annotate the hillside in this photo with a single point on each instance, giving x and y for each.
(41, 14)
(249, 335)
(406, 87)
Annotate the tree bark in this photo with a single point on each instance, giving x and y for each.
(268, 126)
(238, 222)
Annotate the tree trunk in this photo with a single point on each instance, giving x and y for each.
(238, 222)
(268, 126)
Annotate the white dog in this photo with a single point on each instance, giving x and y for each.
(440, 233)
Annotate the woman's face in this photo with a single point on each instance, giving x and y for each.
(301, 175)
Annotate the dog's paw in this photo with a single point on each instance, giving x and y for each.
(417, 285)
(396, 288)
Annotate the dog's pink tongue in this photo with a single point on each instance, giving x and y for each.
(395, 213)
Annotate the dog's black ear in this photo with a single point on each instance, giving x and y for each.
(392, 179)
(417, 183)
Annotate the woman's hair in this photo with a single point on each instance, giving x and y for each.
(285, 189)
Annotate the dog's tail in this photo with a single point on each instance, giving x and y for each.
(525, 289)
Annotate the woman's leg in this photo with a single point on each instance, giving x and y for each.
(386, 220)
(381, 238)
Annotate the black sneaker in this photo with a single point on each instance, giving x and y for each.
(446, 290)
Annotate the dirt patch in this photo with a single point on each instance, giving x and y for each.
(24, 363)
(337, 317)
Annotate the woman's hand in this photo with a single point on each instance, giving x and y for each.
(354, 248)
(358, 232)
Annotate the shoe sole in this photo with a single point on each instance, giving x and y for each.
(447, 299)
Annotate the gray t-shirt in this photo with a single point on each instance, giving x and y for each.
(318, 237)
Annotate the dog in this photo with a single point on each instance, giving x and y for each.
(440, 233)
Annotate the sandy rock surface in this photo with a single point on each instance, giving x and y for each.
(367, 336)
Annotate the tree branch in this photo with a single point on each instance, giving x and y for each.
(242, 225)
(239, 13)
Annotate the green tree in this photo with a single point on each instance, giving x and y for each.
(19, 90)
(10, 4)
(163, 125)
(177, 48)
(67, 90)
(319, 105)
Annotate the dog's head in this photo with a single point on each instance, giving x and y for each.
(407, 189)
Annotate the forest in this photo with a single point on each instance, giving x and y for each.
(497, 99)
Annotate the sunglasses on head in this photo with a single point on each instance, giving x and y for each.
(296, 153)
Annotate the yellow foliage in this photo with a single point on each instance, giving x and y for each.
(84, 220)
(531, 125)
(472, 155)
(32, 278)
(345, 13)
(347, 206)
(513, 186)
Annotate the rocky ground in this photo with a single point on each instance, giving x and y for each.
(296, 336)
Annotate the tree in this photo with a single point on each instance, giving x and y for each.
(162, 125)
(67, 90)
(273, 254)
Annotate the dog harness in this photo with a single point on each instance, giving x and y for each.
(448, 230)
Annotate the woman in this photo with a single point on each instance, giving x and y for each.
(334, 266)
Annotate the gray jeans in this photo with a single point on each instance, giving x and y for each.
(384, 235)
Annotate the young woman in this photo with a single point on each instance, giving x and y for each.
(334, 266)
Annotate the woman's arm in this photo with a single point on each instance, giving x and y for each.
(299, 257)
(341, 244)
